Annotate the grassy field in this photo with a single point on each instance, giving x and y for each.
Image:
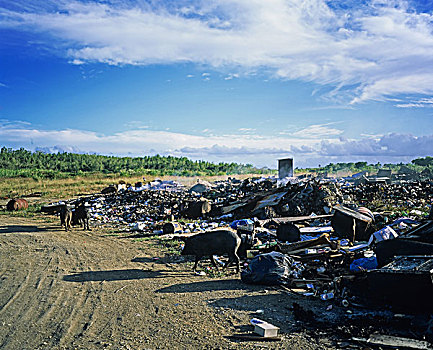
(56, 189)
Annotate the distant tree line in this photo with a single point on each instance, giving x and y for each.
(14, 163)
(417, 165)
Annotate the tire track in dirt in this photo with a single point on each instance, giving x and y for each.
(72, 307)
(42, 301)
(16, 304)
(16, 294)
(82, 290)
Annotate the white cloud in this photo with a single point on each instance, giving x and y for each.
(136, 124)
(247, 130)
(231, 76)
(224, 151)
(318, 131)
(371, 52)
(411, 105)
(421, 103)
(77, 62)
(392, 145)
(8, 124)
(239, 147)
(59, 149)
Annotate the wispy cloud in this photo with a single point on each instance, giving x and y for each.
(247, 130)
(16, 124)
(224, 151)
(372, 51)
(318, 131)
(136, 124)
(421, 103)
(59, 149)
(231, 76)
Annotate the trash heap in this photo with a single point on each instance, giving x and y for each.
(343, 243)
(410, 195)
(374, 281)
(263, 199)
(322, 224)
(260, 198)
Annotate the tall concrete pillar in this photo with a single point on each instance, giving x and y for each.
(285, 168)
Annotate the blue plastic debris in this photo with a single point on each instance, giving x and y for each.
(363, 264)
(244, 222)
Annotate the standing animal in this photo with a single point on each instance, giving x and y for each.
(211, 243)
(81, 216)
(65, 217)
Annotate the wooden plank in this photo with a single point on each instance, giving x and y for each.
(399, 342)
(295, 219)
(254, 337)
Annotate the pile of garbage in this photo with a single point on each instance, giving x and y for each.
(259, 198)
(283, 212)
(338, 241)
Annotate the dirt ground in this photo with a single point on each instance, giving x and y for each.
(93, 290)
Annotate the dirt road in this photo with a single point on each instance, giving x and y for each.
(88, 290)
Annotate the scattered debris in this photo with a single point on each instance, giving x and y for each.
(350, 243)
(395, 342)
(264, 329)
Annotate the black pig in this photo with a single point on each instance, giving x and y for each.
(211, 243)
(248, 239)
(65, 217)
(81, 216)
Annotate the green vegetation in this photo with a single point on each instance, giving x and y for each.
(39, 165)
(416, 165)
(427, 161)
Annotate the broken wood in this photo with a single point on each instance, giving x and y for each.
(254, 337)
(399, 342)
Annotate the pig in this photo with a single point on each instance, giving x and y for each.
(248, 239)
(224, 241)
(81, 216)
(65, 217)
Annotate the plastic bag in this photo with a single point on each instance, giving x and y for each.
(268, 269)
(364, 264)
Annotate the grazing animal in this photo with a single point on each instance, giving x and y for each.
(81, 216)
(109, 190)
(247, 241)
(211, 243)
(65, 217)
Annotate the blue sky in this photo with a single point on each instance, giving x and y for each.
(231, 80)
